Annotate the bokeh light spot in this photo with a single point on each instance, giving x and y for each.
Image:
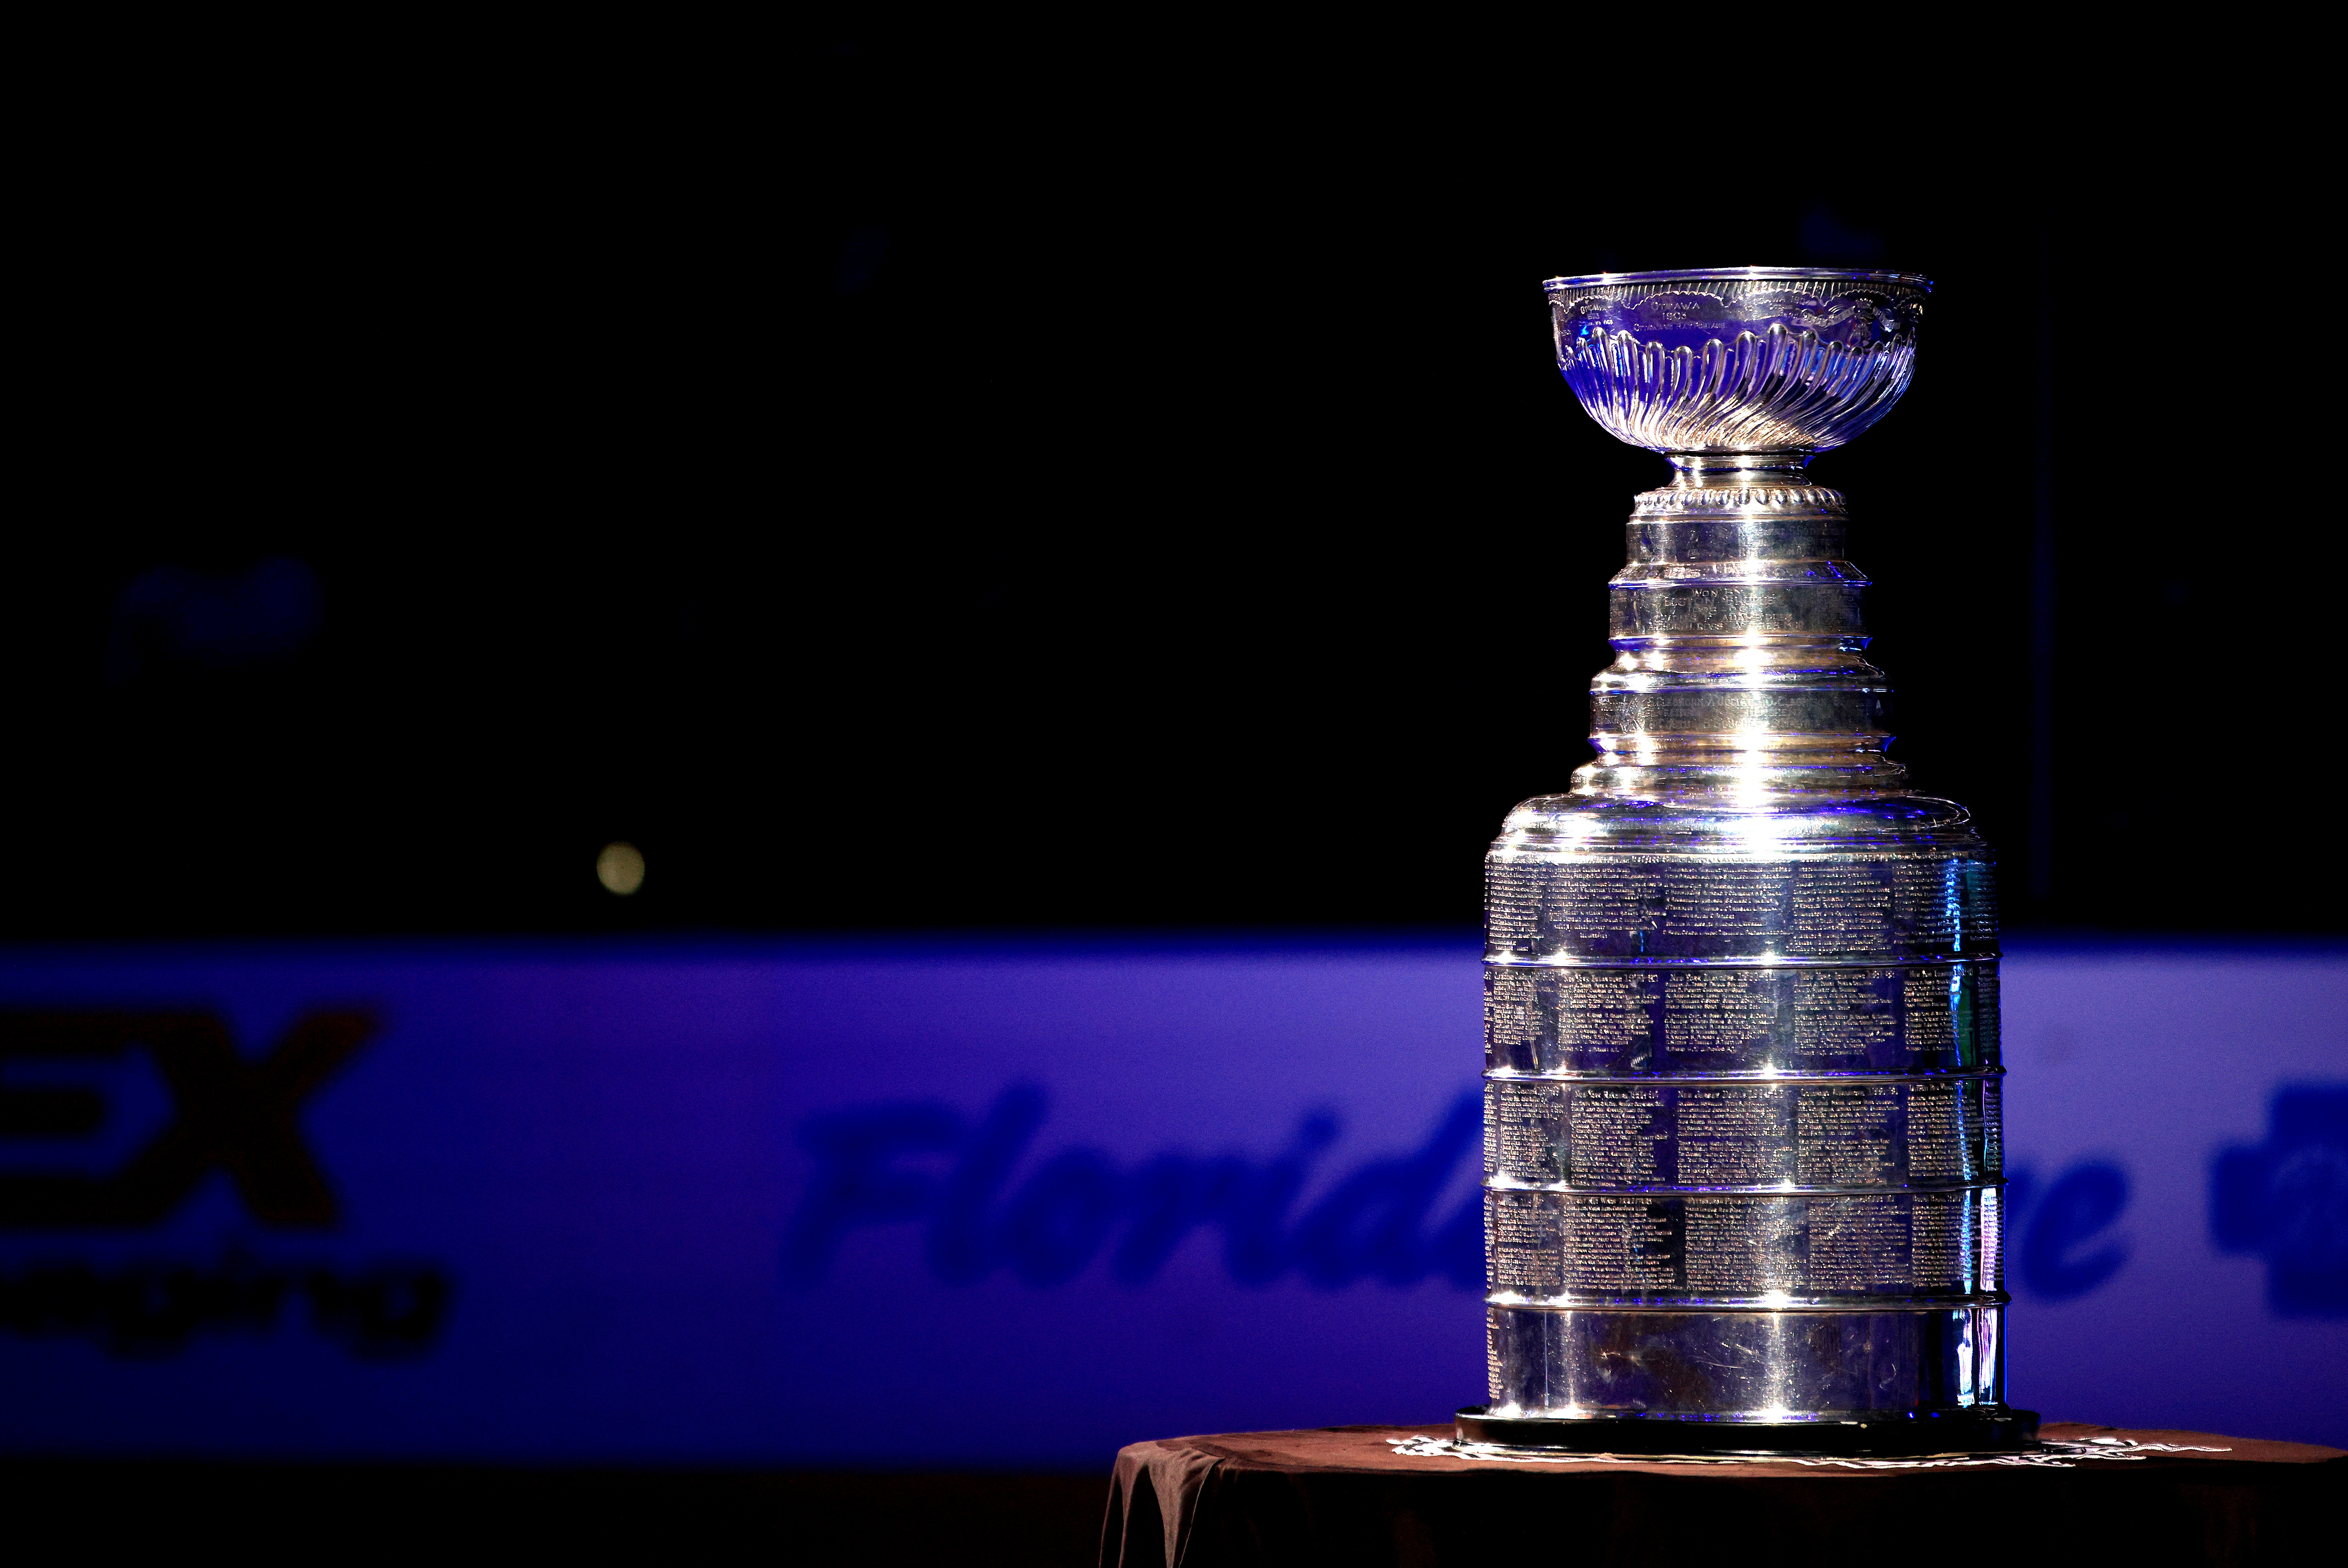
(621, 868)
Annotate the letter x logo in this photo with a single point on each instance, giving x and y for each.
(233, 1114)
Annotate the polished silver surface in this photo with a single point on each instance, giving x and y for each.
(1743, 1163)
(1739, 359)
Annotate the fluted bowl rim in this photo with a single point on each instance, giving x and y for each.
(1732, 274)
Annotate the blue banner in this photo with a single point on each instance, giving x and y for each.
(991, 1204)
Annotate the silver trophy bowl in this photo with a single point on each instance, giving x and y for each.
(1737, 359)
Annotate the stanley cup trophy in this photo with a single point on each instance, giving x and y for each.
(1740, 1128)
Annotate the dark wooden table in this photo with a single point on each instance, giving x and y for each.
(1345, 1495)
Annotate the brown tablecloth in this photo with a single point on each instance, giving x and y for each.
(1343, 1495)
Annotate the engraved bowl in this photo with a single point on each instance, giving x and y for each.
(1737, 359)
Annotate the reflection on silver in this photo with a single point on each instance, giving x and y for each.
(1742, 1164)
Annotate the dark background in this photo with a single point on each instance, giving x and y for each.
(965, 481)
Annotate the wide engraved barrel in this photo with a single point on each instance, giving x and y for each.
(1742, 1155)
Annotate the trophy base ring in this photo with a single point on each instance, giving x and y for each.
(2002, 1430)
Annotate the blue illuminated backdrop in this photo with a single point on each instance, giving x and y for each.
(989, 1203)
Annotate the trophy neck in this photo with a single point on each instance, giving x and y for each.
(1739, 471)
(1738, 676)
